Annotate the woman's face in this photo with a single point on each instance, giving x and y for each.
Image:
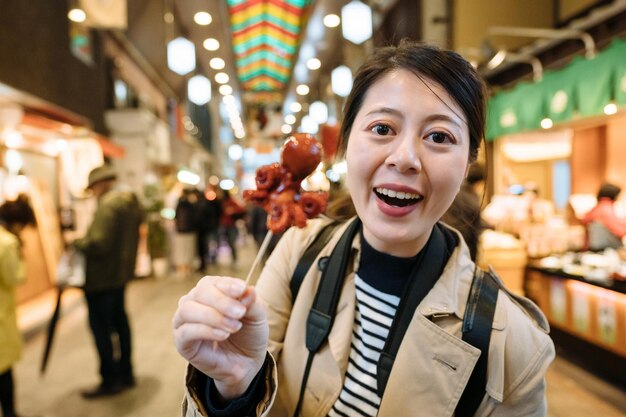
(407, 156)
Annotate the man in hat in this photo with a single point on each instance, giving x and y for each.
(110, 249)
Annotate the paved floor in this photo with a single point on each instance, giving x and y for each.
(572, 392)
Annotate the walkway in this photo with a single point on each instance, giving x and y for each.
(572, 392)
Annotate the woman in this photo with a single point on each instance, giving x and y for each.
(14, 215)
(604, 228)
(413, 123)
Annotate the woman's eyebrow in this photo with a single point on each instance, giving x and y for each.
(445, 118)
(385, 110)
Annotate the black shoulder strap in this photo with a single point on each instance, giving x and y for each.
(322, 314)
(477, 323)
(430, 266)
(309, 256)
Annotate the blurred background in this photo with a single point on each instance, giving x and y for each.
(195, 95)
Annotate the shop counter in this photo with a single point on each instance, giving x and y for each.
(592, 312)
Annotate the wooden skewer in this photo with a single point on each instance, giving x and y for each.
(259, 255)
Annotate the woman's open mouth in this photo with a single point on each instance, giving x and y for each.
(397, 198)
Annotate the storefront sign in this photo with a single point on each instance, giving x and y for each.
(607, 320)
(580, 302)
(558, 301)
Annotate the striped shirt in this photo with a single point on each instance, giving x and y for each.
(374, 313)
(379, 281)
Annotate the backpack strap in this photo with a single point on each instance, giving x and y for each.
(477, 323)
(430, 265)
(309, 256)
(322, 314)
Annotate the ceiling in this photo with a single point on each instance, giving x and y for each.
(265, 44)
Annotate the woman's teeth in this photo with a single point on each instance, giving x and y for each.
(397, 198)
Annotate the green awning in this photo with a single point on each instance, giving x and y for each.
(580, 89)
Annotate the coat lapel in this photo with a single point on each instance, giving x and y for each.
(430, 371)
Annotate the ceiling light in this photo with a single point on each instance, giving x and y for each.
(181, 56)
(341, 81)
(187, 177)
(227, 184)
(13, 161)
(286, 129)
(309, 125)
(229, 99)
(235, 152)
(226, 90)
(217, 63)
(199, 90)
(295, 107)
(221, 78)
(202, 18)
(77, 15)
(318, 110)
(302, 89)
(313, 64)
(610, 109)
(331, 20)
(168, 17)
(290, 119)
(546, 123)
(211, 44)
(357, 22)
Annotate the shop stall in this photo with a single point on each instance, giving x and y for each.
(555, 141)
(46, 154)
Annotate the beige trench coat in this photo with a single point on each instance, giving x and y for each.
(433, 364)
(12, 273)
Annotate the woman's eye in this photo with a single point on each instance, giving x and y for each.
(381, 129)
(440, 137)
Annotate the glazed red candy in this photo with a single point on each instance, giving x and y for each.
(278, 185)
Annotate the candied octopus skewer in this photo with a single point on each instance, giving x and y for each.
(278, 189)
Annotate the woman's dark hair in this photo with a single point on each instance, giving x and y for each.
(17, 212)
(608, 190)
(446, 68)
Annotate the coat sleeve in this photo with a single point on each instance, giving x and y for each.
(99, 241)
(192, 405)
(12, 268)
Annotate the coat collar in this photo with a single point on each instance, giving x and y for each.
(449, 295)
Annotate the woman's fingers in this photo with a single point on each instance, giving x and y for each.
(195, 312)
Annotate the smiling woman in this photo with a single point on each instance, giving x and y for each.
(400, 339)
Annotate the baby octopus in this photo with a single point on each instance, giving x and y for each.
(278, 185)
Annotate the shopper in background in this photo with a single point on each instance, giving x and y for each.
(14, 216)
(185, 245)
(604, 228)
(413, 123)
(110, 249)
(214, 213)
(203, 219)
(464, 213)
(231, 212)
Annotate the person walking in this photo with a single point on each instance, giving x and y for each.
(396, 344)
(232, 211)
(14, 216)
(110, 249)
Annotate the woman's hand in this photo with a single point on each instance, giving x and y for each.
(221, 329)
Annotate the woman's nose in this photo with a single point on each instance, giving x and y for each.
(405, 154)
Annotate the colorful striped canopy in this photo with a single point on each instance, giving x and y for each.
(265, 40)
